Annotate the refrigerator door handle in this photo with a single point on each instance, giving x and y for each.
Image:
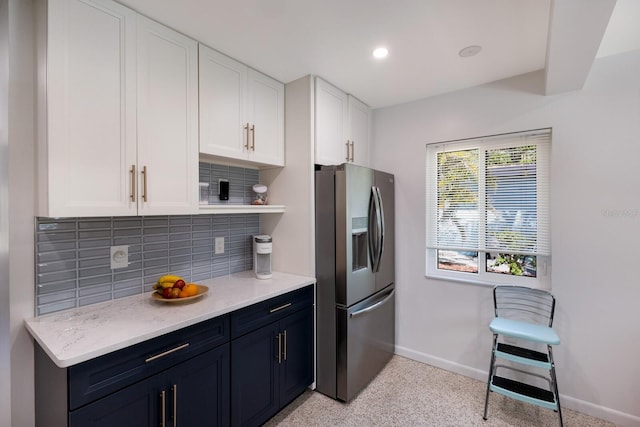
(376, 239)
(373, 306)
(382, 228)
(373, 236)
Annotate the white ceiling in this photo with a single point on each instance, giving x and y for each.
(288, 39)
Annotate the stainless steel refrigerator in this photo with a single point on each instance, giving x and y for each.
(355, 277)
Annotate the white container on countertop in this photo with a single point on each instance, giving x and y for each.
(262, 248)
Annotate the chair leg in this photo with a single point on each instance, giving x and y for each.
(491, 370)
(554, 380)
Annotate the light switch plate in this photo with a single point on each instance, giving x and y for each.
(119, 257)
(219, 245)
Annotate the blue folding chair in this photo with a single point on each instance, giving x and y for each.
(523, 318)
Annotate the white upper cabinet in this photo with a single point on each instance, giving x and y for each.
(331, 146)
(265, 112)
(223, 99)
(167, 121)
(117, 93)
(341, 125)
(241, 111)
(359, 131)
(87, 124)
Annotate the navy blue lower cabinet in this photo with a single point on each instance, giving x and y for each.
(199, 390)
(192, 393)
(136, 405)
(180, 378)
(237, 369)
(296, 373)
(254, 373)
(270, 367)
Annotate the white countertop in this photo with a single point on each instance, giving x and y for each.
(77, 335)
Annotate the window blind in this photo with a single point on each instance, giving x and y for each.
(490, 194)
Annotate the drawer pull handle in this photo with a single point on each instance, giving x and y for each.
(273, 310)
(166, 353)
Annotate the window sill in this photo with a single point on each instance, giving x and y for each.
(484, 283)
(459, 280)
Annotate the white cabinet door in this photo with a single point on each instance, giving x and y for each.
(241, 111)
(359, 131)
(330, 124)
(266, 114)
(167, 121)
(223, 100)
(90, 141)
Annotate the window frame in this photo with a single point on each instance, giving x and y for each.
(484, 277)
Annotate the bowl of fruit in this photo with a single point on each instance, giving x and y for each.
(172, 288)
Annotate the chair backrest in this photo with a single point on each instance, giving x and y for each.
(524, 304)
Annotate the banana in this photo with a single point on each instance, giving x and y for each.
(166, 281)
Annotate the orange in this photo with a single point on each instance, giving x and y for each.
(184, 293)
(191, 289)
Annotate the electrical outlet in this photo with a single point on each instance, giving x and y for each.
(119, 257)
(219, 245)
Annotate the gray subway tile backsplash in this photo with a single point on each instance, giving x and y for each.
(72, 254)
(241, 181)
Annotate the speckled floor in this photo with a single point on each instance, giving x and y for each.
(410, 393)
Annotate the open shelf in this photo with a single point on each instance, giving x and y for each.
(239, 209)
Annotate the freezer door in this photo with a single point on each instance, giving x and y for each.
(365, 340)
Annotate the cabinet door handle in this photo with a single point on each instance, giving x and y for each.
(279, 348)
(165, 353)
(273, 310)
(144, 183)
(285, 345)
(175, 405)
(352, 151)
(133, 183)
(253, 137)
(163, 408)
(347, 144)
(246, 144)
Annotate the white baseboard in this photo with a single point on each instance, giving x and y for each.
(604, 413)
(438, 362)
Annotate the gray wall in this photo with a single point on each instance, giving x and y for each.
(21, 172)
(595, 213)
(5, 366)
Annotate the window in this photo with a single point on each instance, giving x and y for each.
(487, 209)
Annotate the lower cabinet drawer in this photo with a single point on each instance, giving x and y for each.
(98, 377)
(253, 317)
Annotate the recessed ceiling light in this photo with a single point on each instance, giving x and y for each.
(381, 52)
(469, 51)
